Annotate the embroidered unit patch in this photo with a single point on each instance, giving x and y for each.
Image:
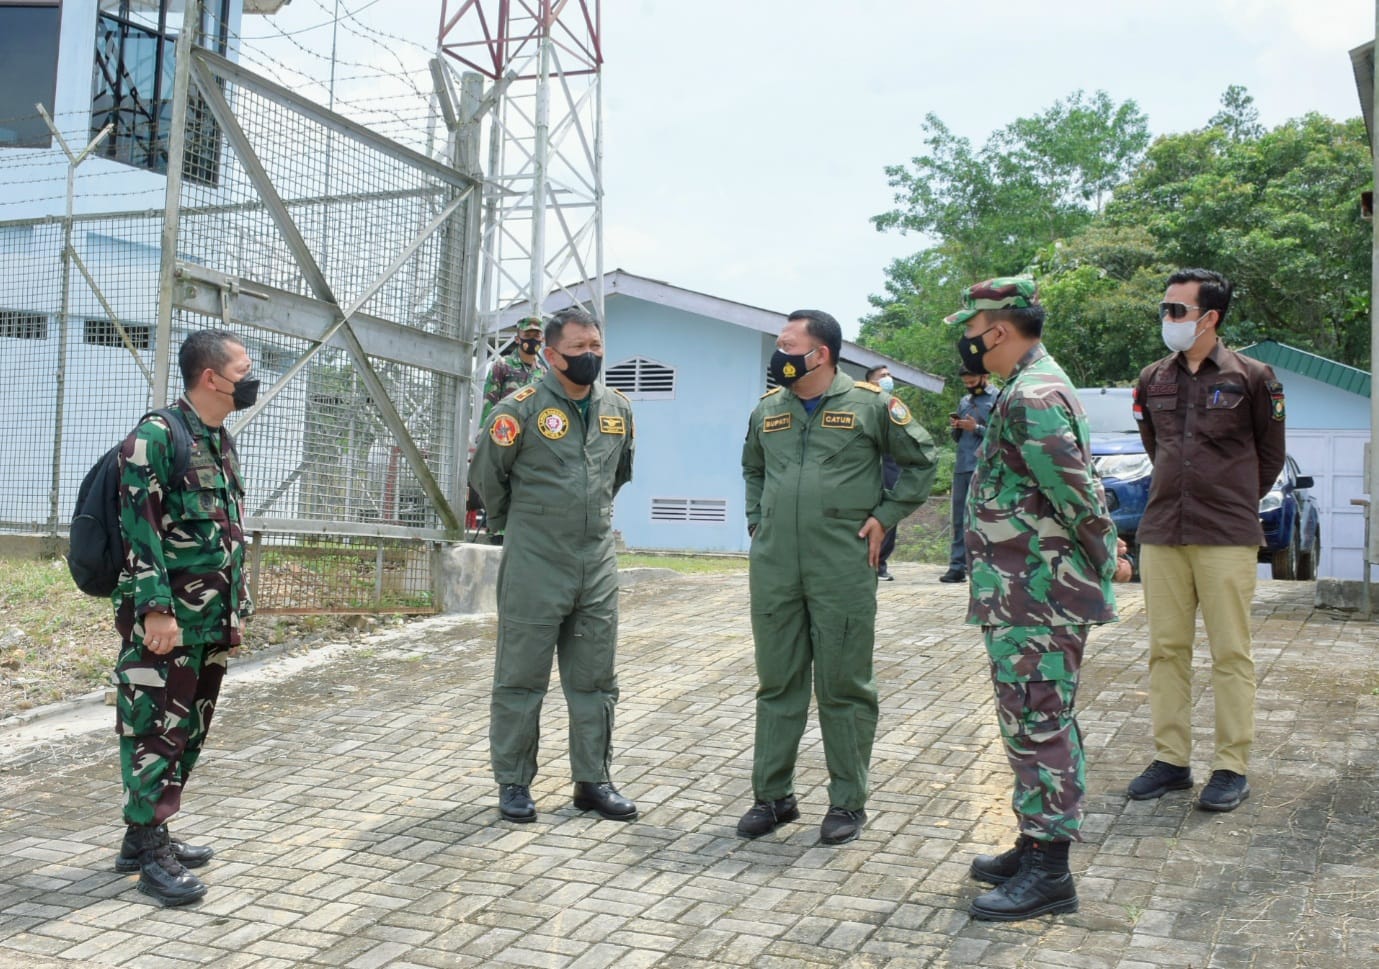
(552, 423)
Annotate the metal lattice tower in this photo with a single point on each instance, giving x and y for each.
(538, 94)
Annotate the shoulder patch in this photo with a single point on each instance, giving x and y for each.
(867, 385)
(524, 393)
(504, 430)
(900, 414)
(1277, 407)
(773, 390)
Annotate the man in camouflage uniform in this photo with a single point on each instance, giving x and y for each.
(547, 464)
(1043, 553)
(817, 513)
(516, 370)
(179, 606)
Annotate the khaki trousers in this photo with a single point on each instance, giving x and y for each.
(1221, 580)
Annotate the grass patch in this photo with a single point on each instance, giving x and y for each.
(684, 564)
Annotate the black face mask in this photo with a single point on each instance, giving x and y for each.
(582, 369)
(246, 392)
(972, 349)
(786, 368)
(530, 347)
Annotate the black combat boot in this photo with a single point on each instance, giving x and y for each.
(999, 869)
(160, 873)
(191, 856)
(1042, 886)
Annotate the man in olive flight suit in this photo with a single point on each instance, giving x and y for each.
(818, 513)
(547, 464)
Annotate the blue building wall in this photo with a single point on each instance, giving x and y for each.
(1314, 404)
(689, 446)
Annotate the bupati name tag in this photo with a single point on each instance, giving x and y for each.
(837, 418)
(780, 422)
(1163, 390)
(612, 425)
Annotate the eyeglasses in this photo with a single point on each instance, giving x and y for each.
(1175, 311)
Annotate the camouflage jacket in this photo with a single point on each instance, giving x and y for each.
(508, 374)
(184, 540)
(1040, 543)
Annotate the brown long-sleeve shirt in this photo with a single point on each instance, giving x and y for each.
(1216, 438)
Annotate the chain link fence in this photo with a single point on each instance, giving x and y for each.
(342, 261)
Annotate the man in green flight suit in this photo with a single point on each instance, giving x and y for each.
(817, 513)
(547, 464)
(1043, 553)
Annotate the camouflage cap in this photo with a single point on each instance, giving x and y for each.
(529, 323)
(1003, 292)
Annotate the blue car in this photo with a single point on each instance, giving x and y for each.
(1292, 525)
(1288, 513)
(1118, 457)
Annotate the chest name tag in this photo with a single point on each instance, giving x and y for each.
(1163, 390)
(780, 422)
(837, 418)
(612, 425)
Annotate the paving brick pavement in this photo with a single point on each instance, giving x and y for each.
(353, 814)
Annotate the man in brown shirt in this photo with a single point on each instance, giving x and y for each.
(1212, 423)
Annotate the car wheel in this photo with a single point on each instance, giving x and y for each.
(1309, 557)
(1285, 562)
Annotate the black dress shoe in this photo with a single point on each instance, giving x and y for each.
(190, 856)
(953, 575)
(766, 816)
(515, 803)
(604, 798)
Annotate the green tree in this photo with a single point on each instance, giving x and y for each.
(1037, 180)
(1277, 213)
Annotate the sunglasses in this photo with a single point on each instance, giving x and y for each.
(1175, 311)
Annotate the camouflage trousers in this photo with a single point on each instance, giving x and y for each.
(163, 708)
(1034, 670)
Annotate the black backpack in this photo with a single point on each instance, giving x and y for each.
(95, 553)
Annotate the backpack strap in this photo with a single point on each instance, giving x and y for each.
(181, 437)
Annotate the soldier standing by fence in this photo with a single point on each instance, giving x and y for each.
(179, 606)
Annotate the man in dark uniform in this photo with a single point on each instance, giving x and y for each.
(817, 513)
(547, 464)
(1212, 423)
(179, 607)
(968, 426)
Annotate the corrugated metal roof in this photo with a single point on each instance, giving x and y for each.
(1275, 354)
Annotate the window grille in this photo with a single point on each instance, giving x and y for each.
(23, 326)
(708, 510)
(642, 379)
(103, 333)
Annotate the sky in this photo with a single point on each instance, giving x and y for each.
(746, 140)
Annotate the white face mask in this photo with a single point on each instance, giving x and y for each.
(1180, 336)
(886, 383)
